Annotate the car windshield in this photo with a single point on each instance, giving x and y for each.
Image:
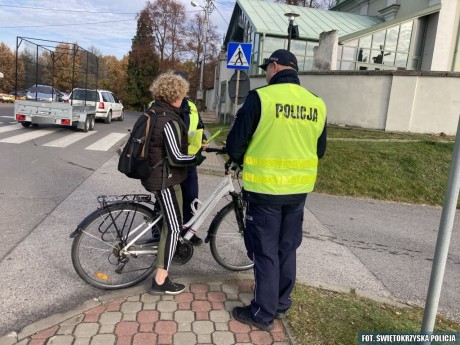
(82, 95)
(41, 89)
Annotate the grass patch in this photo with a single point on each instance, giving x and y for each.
(414, 171)
(324, 317)
(361, 133)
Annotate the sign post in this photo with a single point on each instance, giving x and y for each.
(239, 58)
(235, 105)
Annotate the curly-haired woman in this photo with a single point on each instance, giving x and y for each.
(168, 156)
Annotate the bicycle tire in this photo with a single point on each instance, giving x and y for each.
(94, 249)
(227, 240)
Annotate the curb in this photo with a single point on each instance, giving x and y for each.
(210, 171)
(390, 300)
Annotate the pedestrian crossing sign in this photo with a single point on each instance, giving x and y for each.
(239, 55)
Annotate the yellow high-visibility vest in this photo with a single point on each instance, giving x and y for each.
(195, 136)
(281, 157)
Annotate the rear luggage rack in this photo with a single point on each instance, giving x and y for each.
(105, 200)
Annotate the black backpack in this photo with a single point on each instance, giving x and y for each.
(134, 158)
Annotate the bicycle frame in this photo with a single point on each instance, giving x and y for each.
(223, 187)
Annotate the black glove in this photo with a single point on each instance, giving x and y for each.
(199, 157)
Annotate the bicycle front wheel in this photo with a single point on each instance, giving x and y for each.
(227, 239)
(96, 254)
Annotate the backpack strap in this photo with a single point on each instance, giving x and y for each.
(147, 127)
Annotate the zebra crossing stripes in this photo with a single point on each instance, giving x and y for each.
(66, 139)
(105, 143)
(21, 138)
(69, 139)
(5, 129)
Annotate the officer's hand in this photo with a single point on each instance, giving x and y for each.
(199, 157)
(204, 144)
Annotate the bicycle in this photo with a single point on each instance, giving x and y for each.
(115, 247)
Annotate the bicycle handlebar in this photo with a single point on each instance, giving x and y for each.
(220, 150)
(229, 165)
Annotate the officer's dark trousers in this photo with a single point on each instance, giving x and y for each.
(189, 192)
(273, 233)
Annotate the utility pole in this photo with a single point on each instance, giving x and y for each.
(207, 8)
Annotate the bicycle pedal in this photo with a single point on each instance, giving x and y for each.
(184, 252)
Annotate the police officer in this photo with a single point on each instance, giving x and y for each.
(279, 134)
(197, 137)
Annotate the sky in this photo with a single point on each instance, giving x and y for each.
(107, 25)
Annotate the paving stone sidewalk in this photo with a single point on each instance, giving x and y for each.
(199, 315)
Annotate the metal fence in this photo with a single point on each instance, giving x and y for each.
(60, 65)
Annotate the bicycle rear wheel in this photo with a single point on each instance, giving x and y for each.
(227, 240)
(96, 249)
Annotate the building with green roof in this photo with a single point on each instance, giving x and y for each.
(372, 34)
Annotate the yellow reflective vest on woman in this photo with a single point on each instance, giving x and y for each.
(281, 157)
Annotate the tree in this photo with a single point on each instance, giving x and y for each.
(113, 74)
(195, 32)
(168, 18)
(7, 67)
(324, 4)
(142, 62)
(63, 73)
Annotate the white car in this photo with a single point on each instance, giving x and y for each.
(108, 107)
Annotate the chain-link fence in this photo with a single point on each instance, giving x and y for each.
(59, 66)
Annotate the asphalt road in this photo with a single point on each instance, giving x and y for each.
(396, 242)
(36, 178)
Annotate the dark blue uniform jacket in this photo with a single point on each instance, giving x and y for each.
(244, 127)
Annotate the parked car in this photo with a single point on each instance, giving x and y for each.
(20, 94)
(5, 98)
(108, 106)
(46, 93)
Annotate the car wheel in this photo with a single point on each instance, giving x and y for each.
(87, 125)
(122, 116)
(26, 124)
(108, 119)
(92, 123)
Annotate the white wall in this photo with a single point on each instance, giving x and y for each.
(387, 100)
(446, 35)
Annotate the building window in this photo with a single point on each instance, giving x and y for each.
(404, 37)
(303, 50)
(388, 47)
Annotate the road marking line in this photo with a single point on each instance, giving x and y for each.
(10, 128)
(21, 138)
(8, 117)
(69, 139)
(107, 142)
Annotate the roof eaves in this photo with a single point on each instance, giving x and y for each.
(382, 25)
(334, 8)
